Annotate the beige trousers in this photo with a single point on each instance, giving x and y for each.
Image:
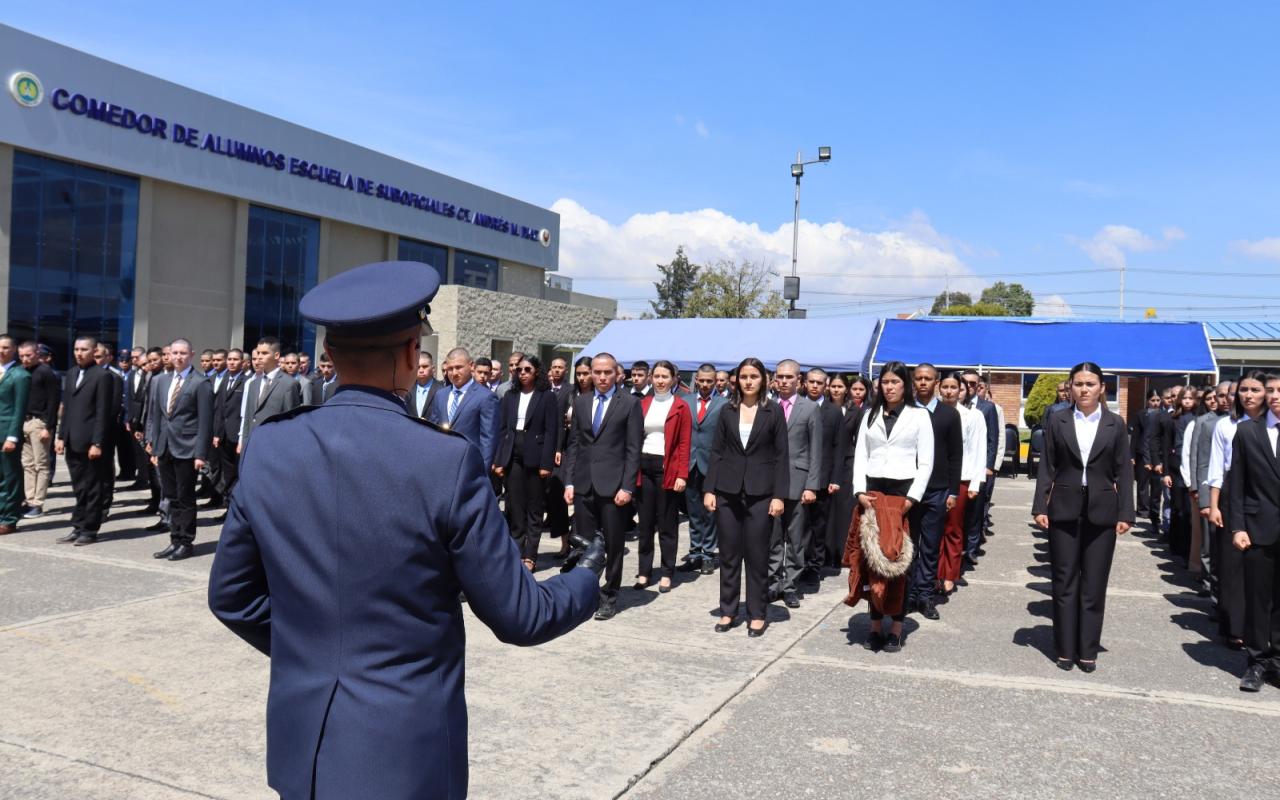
(36, 456)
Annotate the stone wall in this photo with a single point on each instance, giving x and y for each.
(477, 319)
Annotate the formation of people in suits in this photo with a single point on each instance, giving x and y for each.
(776, 471)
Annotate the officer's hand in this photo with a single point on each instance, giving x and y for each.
(951, 501)
(973, 494)
(1241, 540)
(1042, 520)
(832, 488)
(808, 496)
(776, 508)
(1168, 482)
(215, 441)
(59, 447)
(9, 447)
(544, 473)
(1215, 516)
(568, 495)
(558, 459)
(680, 485)
(709, 502)
(137, 435)
(497, 470)
(594, 557)
(622, 497)
(199, 462)
(44, 435)
(95, 452)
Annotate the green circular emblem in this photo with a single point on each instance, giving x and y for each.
(26, 89)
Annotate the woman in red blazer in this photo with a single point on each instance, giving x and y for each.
(664, 468)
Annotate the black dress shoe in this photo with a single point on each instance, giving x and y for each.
(929, 611)
(606, 611)
(165, 553)
(181, 552)
(150, 508)
(892, 643)
(708, 567)
(724, 627)
(980, 552)
(791, 599)
(1252, 680)
(640, 585)
(159, 527)
(86, 538)
(690, 565)
(874, 641)
(1086, 666)
(756, 633)
(1065, 664)
(69, 538)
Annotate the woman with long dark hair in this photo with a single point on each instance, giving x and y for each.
(838, 391)
(953, 391)
(892, 462)
(747, 479)
(1228, 562)
(861, 393)
(527, 453)
(1084, 499)
(664, 470)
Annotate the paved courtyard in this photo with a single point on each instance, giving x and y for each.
(116, 682)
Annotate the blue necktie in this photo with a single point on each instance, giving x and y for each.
(599, 415)
(453, 404)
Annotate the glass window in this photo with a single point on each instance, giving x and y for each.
(476, 271)
(433, 254)
(283, 262)
(72, 253)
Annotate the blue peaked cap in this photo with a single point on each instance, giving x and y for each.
(373, 299)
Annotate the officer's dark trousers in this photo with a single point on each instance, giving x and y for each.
(975, 515)
(1228, 568)
(928, 520)
(228, 467)
(1180, 522)
(1080, 556)
(557, 510)
(657, 514)
(815, 558)
(1262, 604)
(702, 523)
(178, 482)
(1142, 485)
(125, 452)
(788, 546)
(745, 528)
(524, 502)
(592, 513)
(88, 476)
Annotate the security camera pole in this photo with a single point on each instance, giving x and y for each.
(791, 285)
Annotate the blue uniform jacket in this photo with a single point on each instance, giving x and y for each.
(348, 576)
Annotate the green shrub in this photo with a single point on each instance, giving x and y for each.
(1043, 394)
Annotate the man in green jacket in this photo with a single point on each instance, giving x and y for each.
(15, 385)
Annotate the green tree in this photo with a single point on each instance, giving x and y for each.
(736, 289)
(676, 286)
(945, 300)
(1013, 297)
(1044, 393)
(975, 310)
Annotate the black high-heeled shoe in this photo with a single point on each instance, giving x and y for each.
(1086, 666)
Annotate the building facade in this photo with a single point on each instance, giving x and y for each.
(138, 211)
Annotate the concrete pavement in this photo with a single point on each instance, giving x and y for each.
(117, 682)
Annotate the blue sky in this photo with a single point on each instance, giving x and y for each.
(979, 140)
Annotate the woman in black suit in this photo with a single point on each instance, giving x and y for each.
(527, 453)
(747, 478)
(1084, 499)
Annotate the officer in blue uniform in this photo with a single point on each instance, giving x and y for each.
(351, 588)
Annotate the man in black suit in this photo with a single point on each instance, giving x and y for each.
(929, 516)
(272, 392)
(118, 437)
(1158, 441)
(211, 478)
(424, 391)
(179, 435)
(139, 408)
(602, 462)
(87, 414)
(227, 402)
(135, 394)
(1255, 524)
(129, 466)
(326, 380)
(830, 418)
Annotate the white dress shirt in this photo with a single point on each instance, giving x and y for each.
(1184, 469)
(1272, 432)
(1086, 432)
(1224, 433)
(522, 409)
(973, 429)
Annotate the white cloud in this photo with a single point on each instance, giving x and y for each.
(700, 128)
(1110, 245)
(1268, 248)
(840, 267)
(1053, 305)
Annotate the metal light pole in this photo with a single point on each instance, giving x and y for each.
(791, 285)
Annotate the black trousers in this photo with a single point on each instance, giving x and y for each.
(108, 477)
(557, 509)
(1142, 484)
(525, 493)
(658, 509)
(927, 519)
(1080, 555)
(839, 517)
(592, 513)
(1228, 568)
(1262, 604)
(178, 483)
(142, 464)
(88, 477)
(744, 527)
(1180, 522)
(125, 453)
(1155, 498)
(228, 467)
(815, 557)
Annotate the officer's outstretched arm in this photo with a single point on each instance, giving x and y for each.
(503, 594)
(238, 593)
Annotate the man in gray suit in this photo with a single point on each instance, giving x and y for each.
(179, 435)
(1198, 470)
(804, 444)
(273, 392)
(291, 363)
(704, 405)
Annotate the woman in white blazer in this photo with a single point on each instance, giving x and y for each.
(893, 456)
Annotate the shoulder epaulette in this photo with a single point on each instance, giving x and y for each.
(443, 427)
(290, 414)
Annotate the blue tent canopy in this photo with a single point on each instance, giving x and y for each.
(835, 343)
(1043, 345)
